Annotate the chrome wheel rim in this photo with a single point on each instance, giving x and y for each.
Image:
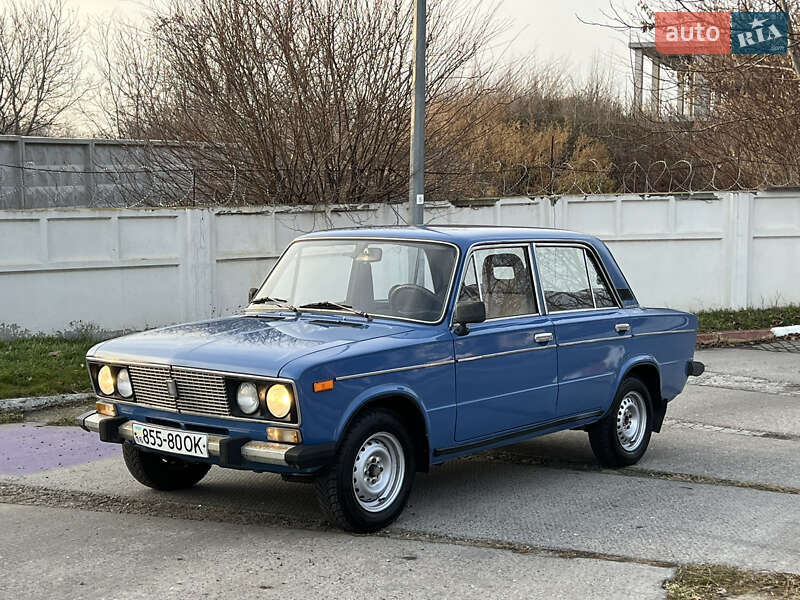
(631, 421)
(378, 471)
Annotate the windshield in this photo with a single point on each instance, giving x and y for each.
(389, 278)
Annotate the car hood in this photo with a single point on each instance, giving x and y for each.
(242, 344)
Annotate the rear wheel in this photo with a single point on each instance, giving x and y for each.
(368, 484)
(162, 472)
(622, 436)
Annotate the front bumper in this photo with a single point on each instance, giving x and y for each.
(230, 451)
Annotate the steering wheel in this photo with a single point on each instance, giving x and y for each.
(410, 300)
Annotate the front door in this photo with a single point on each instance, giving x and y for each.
(506, 366)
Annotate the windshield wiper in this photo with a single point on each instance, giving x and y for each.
(327, 304)
(280, 302)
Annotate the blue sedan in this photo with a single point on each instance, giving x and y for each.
(367, 355)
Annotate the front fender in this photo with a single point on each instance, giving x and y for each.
(375, 393)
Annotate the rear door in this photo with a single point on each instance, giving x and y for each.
(590, 327)
(506, 366)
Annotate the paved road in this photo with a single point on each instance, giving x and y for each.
(720, 484)
(749, 361)
(107, 556)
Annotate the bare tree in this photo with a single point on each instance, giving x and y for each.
(749, 136)
(40, 65)
(297, 102)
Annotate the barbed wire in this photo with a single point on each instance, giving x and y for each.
(183, 185)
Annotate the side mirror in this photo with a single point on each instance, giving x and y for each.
(468, 312)
(251, 295)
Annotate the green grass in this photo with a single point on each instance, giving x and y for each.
(43, 366)
(713, 582)
(748, 318)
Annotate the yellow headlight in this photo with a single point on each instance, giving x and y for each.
(279, 400)
(105, 381)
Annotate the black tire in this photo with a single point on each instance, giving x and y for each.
(335, 486)
(162, 472)
(607, 443)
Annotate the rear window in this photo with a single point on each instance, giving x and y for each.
(571, 279)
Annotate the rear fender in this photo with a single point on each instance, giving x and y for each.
(650, 374)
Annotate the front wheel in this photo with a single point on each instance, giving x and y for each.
(621, 437)
(367, 485)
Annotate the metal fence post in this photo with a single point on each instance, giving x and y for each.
(417, 167)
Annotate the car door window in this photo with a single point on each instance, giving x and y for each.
(565, 282)
(602, 295)
(501, 278)
(470, 290)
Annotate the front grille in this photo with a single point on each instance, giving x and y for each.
(198, 392)
(150, 386)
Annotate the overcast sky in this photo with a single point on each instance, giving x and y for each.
(550, 28)
(553, 29)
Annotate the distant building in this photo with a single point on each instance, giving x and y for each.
(676, 89)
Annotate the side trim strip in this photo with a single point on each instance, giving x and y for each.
(602, 339)
(440, 363)
(665, 332)
(505, 353)
(518, 433)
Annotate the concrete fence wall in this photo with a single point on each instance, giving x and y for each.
(43, 172)
(130, 269)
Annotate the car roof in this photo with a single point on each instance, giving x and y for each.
(461, 235)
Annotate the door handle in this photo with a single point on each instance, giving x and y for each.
(543, 338)
(622, 327)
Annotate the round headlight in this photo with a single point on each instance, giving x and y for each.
(105, 380)
(247, 398)
(279, 400)
(124, 386)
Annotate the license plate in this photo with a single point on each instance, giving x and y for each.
(171, 440)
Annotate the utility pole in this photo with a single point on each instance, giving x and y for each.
(417, 179)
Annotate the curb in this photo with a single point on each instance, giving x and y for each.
(39, 402)
(747, 336)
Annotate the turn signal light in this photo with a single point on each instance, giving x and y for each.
(106, 408)
(323, 386)
(285, 436)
